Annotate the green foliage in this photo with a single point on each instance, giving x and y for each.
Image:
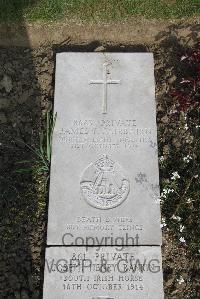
(96, 10)
(41, 155)
(179, 157)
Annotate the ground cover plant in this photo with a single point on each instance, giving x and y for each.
(179, 152)
(96, 10)
(179, 158)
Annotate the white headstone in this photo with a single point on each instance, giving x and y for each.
(104, 172)
(104, 188)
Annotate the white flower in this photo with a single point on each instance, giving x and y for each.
(172, 111)
(197, 126)
(176, 218)
(196, 176)
(180, 280)
(189, 200)
(182, 240)
(161, 158)
(175, 175)
(163, 195)
(166, 191)
(170, 190)
(187, 158)
(163, 224)
(186, 126)
(181, 228)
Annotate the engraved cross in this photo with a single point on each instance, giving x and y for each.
(105, 82)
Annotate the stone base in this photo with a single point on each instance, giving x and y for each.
(103, 273)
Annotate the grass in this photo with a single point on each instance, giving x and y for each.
(95, 10)
(41, 155)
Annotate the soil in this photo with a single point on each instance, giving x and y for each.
(27, 71)
(134, 31)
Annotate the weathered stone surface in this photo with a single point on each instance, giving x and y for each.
(108, 272)
(104, 175)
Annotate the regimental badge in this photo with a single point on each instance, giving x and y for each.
(103, 184)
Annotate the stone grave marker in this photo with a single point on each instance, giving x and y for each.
(104, 172)
(104, 187)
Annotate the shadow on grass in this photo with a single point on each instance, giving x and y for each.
(21, 206)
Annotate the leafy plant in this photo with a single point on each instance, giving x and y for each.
(179, 161)
(188, 95)
(42, 155)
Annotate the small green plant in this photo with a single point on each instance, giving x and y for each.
(40, 164)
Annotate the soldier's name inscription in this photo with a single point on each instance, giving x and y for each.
(104, 134)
